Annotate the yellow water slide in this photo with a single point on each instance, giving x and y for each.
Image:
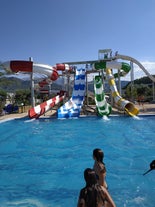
(126, 105)
(122, 103)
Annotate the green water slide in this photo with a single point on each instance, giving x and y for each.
(103, 108)
(123, 67)
(124, 70)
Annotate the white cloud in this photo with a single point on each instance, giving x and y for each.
(139, 73)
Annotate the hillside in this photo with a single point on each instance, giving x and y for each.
(12, 84)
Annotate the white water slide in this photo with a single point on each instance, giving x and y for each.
(124, 57)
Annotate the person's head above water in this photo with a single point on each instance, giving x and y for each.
(90, 177)
(98, 154)
(93, 194)
(152, 167)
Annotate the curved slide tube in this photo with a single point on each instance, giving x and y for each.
(72, 107)
(123, 67)
(28, 66)
(103, 107)
(124, 104)
(15, 66)
(124, 57)
(41, 109)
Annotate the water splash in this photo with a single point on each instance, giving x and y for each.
(105, 118)
(30, 120)
(137, 118)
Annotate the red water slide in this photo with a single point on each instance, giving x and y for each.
(51, 72)
(42, 108)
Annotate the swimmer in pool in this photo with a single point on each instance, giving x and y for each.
(152, 167)
(93, 194)
(99, 166)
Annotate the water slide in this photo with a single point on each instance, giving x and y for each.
(42, 108)
(50, 72)
(125, 57)
(103, 108)
(28, 66)
(122, 103)
(73, 106)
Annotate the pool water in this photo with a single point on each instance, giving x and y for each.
(42, 161)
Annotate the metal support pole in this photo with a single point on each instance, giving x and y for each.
(153, 90)
(102, 74)
(87, 90)
(132, 80)
(111, 97)
(119, 83)
(32, 85)
(68, 84)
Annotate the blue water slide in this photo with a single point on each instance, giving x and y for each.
(73, 106)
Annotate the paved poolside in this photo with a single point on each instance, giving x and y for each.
(145, 109)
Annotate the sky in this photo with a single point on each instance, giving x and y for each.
(56, 31)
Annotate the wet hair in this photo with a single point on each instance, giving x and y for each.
(90, 177)
(98, 154)
(92, 193)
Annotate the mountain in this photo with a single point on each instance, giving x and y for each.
(12, 84)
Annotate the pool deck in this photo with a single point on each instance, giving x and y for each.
(146, 109)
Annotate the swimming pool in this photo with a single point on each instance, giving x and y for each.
(42, 161)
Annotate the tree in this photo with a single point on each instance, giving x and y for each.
(3, 96)
(23, 96)
(131, 92)
(138, 90)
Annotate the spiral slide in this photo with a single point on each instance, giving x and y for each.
(72, 108)
(124, 104)
(50, 72)
(28, 66)
(103, 107)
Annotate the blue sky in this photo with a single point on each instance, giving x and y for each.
(55, 31)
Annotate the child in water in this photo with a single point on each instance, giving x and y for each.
(93, 194)
(99, 167)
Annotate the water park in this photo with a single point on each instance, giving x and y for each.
(75, 101)
(42, 158)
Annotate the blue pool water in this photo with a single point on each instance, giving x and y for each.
(42, 161)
